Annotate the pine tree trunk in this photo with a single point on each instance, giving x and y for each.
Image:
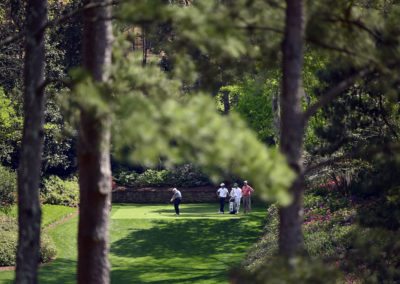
(292, 127)
(94, 156)
(226, 102)
(29, 213)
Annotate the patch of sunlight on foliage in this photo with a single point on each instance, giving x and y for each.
(252, 99)
(154, 119)
(227, 28)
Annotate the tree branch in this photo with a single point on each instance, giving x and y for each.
(388, 149)
(263, 28)
(334, 93)
(384, 118)
(49, 81)
(327, 162)
(357, 23)
(62, 19)
(332, 47)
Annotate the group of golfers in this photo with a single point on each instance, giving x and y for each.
(235, 196)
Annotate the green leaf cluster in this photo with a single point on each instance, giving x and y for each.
(154, 118)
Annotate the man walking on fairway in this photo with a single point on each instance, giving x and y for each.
(222, 193)
(247, 190)
(176, 198)
(236, 194)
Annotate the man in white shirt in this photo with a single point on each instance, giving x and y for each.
(176, 198)
(236, 194)
(222, 193)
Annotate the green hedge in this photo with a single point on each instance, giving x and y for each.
(60, 192)
(8, 188)
(9, 238)
(186, 176)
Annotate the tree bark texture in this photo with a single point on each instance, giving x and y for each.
(226, 102)
(29, 212)
(94, 156)
(292, 127)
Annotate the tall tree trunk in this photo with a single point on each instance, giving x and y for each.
(226, 102)
(276, 115)
(292, 127)
(94, 155)
(144, 46)
(29, 213)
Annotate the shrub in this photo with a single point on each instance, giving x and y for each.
(9, 238)
(48, 250)
(152, 178)
(8, 248)
(298, 270)
(8, 188)
(375, 255)
(126, 178)
(319, 243)
(267, 247)
(60, 192)
(185, 175)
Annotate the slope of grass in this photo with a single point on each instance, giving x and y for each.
(50, 213)
(151, 245)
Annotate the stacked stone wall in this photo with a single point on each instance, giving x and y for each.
(163, 195)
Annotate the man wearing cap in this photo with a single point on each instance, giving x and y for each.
(176, 198)
(236, 194)
(247, 190)
(222, 193)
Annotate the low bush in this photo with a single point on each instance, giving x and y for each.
(374, 254)
(152, 178)
(9, 239)
(267, 247)
(126, 178)
(183, 176)
(8, 248)
(8, 188)
(186, 176)
(60, 192)
(298, 270)
(48, 250)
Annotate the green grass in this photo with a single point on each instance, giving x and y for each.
(50, 213)
(150, 245)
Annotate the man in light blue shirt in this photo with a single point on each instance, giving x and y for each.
(176, 198)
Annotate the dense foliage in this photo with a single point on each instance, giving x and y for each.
(63, 52)
(8, 186)
(60, 192)
(203, 87)
(183, 176)
(336, 233)
(8, 240)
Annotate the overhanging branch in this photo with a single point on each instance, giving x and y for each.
(62, 19)
(325, 163)
(334, 93)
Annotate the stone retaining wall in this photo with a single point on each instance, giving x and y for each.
(163, 195)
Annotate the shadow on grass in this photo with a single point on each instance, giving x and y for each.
(60, 270)
(189, 238)
(190, 209)
(181, 275)
(195, 210)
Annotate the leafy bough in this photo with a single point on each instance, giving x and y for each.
(154, 119)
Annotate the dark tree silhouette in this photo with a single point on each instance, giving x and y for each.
(29, 213)
(292, 126)
(94, 154)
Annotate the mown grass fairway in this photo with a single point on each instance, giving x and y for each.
(151, 245)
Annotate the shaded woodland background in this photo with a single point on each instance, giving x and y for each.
(299, 97)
